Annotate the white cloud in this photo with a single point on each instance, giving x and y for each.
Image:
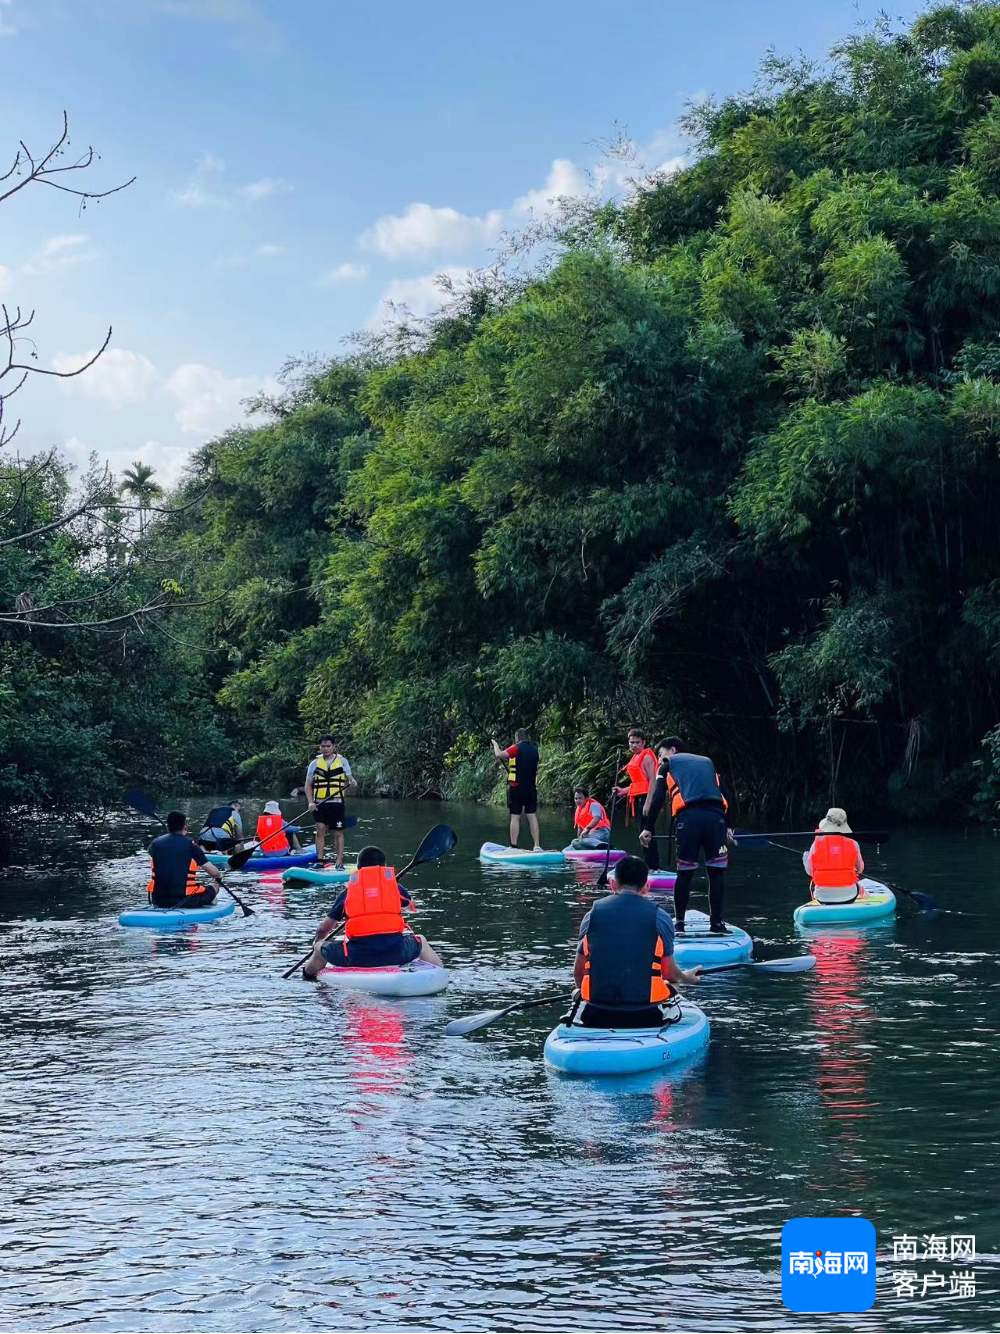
(60, 252)
(7, 29)
(208, 162)
(168, 460)
(564, 181)
(347, 273)
(423, 230)
(270, 251)
(116, 378)
(209, 401)
(416, 296)
(265, 188)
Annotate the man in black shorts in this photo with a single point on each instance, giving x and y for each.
(699, 804)
(521, 762)
(327, 779)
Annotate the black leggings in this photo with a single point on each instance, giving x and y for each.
(716, 893)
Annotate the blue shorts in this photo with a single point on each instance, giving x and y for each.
(387, 952)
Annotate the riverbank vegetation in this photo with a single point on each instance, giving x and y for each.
(725, 464)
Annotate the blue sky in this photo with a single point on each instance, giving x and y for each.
(300, 162)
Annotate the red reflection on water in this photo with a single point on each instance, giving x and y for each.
(271, 889)
(843, 1021)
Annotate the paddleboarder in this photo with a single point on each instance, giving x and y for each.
(376, 936)
(625, 964)
(521, 762)
(177, 859)
(327, 780)
(834, 862)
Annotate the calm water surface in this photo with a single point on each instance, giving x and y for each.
(189, 1142)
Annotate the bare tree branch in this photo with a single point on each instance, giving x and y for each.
(42, 169)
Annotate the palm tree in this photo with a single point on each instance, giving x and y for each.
(138, 483)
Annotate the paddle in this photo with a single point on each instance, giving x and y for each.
(437, 842)
(925, 902)
(798, 963)
(755, 842)
(141, 803)
(469, 1023)
(602, 879)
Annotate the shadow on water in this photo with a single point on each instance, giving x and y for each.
(191, 1142)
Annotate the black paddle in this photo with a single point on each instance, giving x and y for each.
(925, 902)
(141, 803)
(437, 842)
(752, 842)
(602, 879)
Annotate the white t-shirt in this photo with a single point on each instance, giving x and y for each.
(312, 766)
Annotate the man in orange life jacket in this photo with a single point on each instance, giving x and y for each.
(591, 825)
(371, 907)
(834, 862)
(698, 804)
(176, 860)
(641, 770)
(625, 960)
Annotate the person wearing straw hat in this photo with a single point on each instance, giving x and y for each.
(834, 862)
(273, 838)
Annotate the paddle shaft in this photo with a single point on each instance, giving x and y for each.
(602, 879)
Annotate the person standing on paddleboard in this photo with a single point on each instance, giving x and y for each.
(327, 779)
(641, 770)
(521, 763)
(699, 804)
(176, 861)
(371, 908)
(834, 862)
(625, 961)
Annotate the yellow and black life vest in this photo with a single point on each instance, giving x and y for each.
(329, 779)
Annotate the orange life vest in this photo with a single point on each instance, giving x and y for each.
(834, 862)
(677, 802)
(584, 815)
(373, 905)
(638, 782)
(659, 987)
(193, 886)
(268, 836)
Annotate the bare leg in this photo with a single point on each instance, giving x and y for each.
(315, 963)
(320, 840)
(533, 826)
(429, 955)
(515, 830)
(339, 835)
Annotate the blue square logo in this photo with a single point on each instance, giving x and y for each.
(828, 1264)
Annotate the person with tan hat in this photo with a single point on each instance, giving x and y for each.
(273, 836)
(834, 862)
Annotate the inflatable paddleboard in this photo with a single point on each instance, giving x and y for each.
(696, 945)
(496, 854)
(623, 1051)
(174, 917)
(316, 875)
(876, 903)
(593, 855)
(415, 979)
(266, 862)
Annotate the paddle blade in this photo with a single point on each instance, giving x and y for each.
(141, 803)
(437, 842)
(924, 901)
(470, 1022)
(799, 963)
(239, 859)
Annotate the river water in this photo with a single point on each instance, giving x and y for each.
(191, 1143)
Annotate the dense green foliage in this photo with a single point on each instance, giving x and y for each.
(85, 711)
(728, 465)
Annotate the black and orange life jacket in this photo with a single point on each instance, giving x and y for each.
(193, 885)
(374, 906)
(623, 954)
(693, 781)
